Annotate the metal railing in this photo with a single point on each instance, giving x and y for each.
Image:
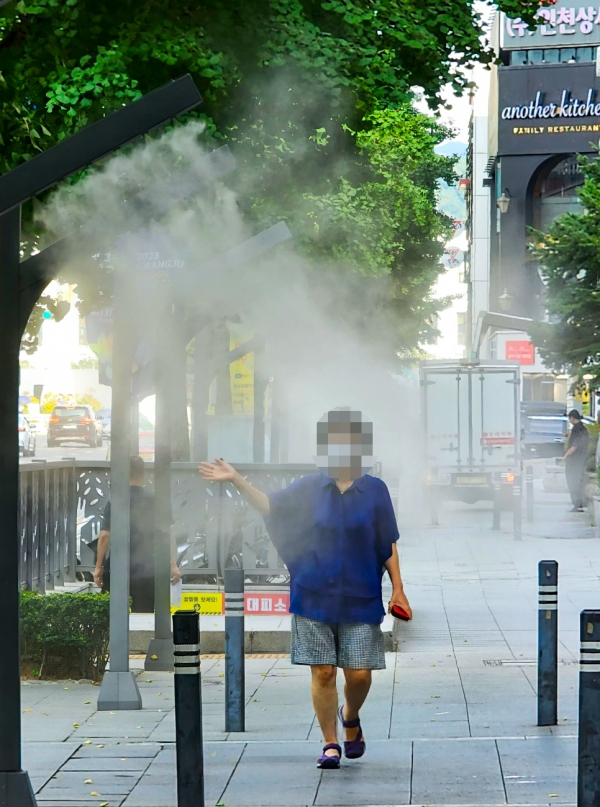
(60, 517)
(47, 525)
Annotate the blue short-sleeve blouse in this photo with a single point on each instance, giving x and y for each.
(335, 546)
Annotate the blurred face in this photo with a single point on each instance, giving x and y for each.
(573, 421)
(344, 445)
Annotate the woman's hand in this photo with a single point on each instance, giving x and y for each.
(399, 598)
(219, 472)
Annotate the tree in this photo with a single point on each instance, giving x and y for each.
(569, 255)
(310, 94)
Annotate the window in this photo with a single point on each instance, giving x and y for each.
(587, 54)
(535, 57)
(568, 55)
(461, 318)
(552, 56)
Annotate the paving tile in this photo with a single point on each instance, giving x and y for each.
(539, 770)
(456, 773)
(382, 776)
(267, 771)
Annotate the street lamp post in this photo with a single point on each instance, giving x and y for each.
(503, 203)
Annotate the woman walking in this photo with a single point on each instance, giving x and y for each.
(336, 532)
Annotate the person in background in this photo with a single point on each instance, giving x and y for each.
(336, 532)
(575, 461)
(141, 544)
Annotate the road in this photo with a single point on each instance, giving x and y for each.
(77, 450)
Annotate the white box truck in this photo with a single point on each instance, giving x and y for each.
(471, 424)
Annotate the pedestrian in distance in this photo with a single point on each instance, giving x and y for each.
(336, 532)
(141, 544)
(575, 461)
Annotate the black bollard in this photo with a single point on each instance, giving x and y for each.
(529, 492)
(548, 643)
(235, 699)
(588, 773)
(188, 710)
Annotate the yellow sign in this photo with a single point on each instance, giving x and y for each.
(203, 602)
(241, 373)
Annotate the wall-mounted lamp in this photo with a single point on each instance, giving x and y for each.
(505, 298)
(503, 201)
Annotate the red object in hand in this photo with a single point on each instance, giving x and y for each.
(400, 613)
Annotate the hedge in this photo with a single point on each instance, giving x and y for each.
(65, 635)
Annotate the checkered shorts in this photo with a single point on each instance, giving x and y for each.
(355, 646)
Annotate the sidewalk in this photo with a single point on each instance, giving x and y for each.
(451, 721)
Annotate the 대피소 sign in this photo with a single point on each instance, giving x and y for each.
(263, 603)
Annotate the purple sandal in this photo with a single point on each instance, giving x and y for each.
(327, 762)
(353, 749)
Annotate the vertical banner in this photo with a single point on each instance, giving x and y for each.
(241, 372)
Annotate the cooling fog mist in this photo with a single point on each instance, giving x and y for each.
(128, 217)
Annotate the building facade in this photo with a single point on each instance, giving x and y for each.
(543, 110)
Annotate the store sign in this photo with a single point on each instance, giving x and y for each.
(566, 107)
(562, 25)
(548, 109)
(521, 351)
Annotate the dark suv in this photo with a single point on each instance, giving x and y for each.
(74, 423)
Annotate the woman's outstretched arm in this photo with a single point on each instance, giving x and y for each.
(221, 471)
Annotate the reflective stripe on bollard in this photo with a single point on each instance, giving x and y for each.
(588, 773)
(548, 643)
(235, 699)
(188, 710)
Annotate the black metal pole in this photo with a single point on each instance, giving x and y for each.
(588, 774)
(160, 652)
(188, 710)
(497, 494)
(517, 507)
(235, 699)
(529, 492)
(548, 643)
(15, 788)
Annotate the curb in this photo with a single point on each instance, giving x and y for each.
(263, 641)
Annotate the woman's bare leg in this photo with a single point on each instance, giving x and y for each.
(356, 689)
(325, 701)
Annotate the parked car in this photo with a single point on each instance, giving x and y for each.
(26, 438)
(74, 424)
(544, 436)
